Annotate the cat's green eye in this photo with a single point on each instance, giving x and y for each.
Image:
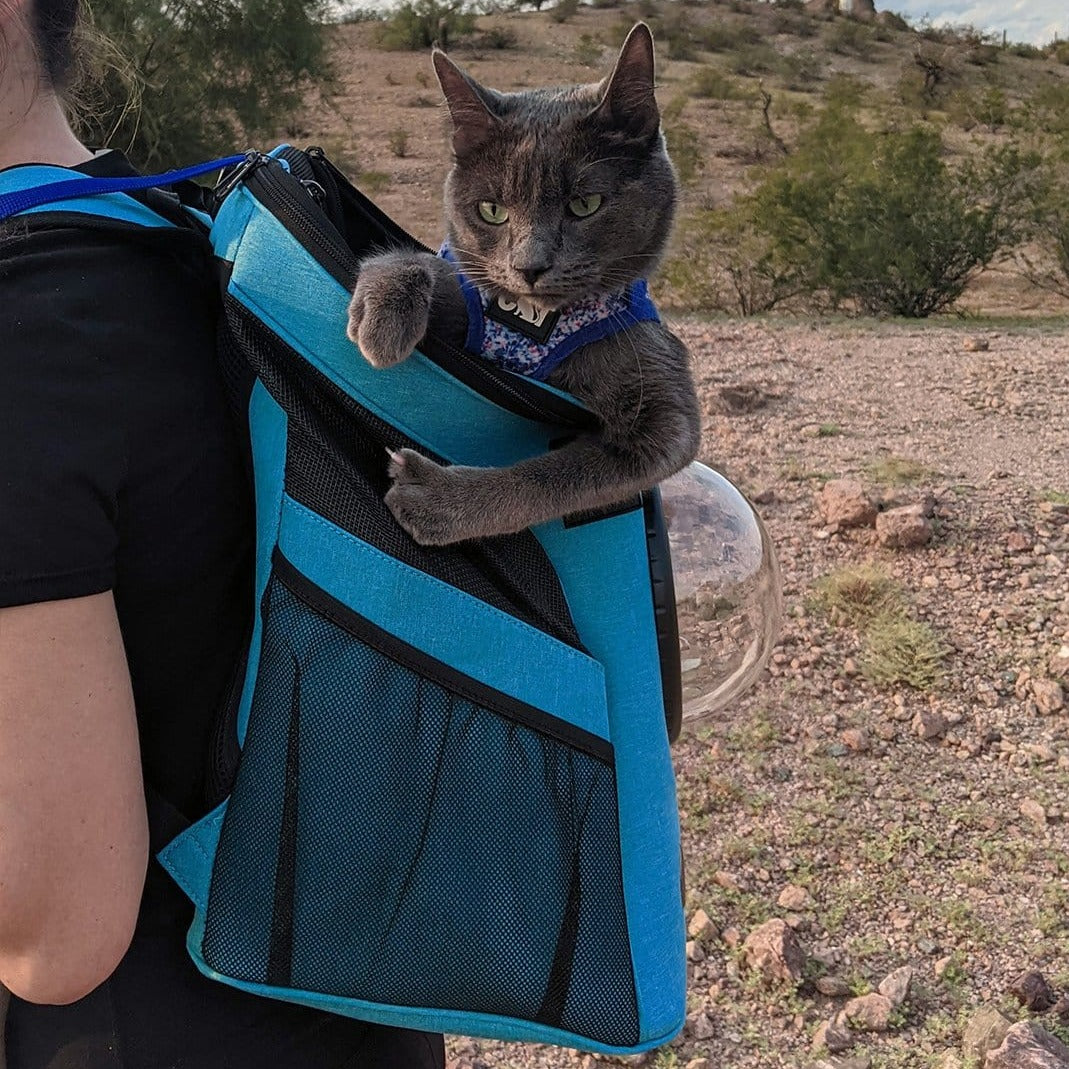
(584, 206)
(493, 213)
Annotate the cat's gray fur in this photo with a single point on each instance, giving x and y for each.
(532, 152)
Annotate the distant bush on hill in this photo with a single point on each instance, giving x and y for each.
(418, 24)
(874, 221)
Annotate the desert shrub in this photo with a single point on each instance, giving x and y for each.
(397, 140)
(800, 70)
(893, 21)
(850, 38)
(1024, 50)
(186, 82)
(1046, 111)
(563, 10)
(416, 24)
(587, 51)
(986, 107)
(1043, 257)
(792, 21)
(1057, 51)
(844, 92)
(722, 262)
(684, 147)
(676, 32)
(751, 60)
(719, 36)
(713, 84)
(648, 9)
(498, 38)
(879, 219)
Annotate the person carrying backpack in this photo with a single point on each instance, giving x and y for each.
(126, 534)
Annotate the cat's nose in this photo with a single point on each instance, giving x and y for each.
(533, 273)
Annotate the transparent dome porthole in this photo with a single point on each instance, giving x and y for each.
(727, 587)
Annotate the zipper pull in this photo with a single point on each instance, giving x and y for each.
(227, 181)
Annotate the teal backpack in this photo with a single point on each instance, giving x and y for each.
(443, 792)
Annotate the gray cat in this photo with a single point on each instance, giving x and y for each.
(559, 205)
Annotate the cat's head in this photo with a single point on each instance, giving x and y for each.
(557, 194)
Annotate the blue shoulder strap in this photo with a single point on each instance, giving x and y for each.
(21, 200)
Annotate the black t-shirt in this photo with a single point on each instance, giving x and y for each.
(122, 468)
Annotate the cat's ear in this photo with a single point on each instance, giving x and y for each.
(473, 122)
(628, 102)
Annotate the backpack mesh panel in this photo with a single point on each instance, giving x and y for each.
(336, 466)
(437, 854)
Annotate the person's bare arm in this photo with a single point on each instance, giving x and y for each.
(73, 828)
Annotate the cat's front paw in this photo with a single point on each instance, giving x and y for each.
(389, 312)
(427, 500)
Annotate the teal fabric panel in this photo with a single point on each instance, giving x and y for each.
(469, 1024)
(109, 205)
(190, 857)
(310, 313)
(230, 222)
(619, 630)
(268, 427)
(475, 638)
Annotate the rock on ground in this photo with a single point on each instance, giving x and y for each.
(985, 1031)
(1028, 1046)
(773, 951)
(844, 503)
(903, 528)
(869, 1013)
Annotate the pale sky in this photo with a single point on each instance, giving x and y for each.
(1034, 21)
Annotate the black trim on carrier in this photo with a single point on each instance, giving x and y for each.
(662, 585)
(423, 664)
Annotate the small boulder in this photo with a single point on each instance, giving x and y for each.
(833, 1036)
(984, 1031)
(869, 1013)
(895, 985)
(904, 528)
(1031, 988)
(975, 345)
(1027, 1046)
(773, 951)
(844, 503)
(701, 928)
(929, 724)
(794, 898)
(1048, 695)
(832, 986)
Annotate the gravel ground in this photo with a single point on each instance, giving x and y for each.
(816, 799)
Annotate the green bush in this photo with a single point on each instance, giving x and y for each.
(751, 60)
(398, 142)
(188, 81)
(713, 84)
(880, 221)
(563, 10)
(685, 150)
(416, 24)
(726, 37)
(850, 38)
(1058, 51)
(800, 70)
(722, 262)
(498, 38)
(587, 51)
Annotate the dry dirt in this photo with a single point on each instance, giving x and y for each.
(911, 852)
(947, 854)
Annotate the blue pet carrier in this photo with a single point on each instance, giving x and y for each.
(445, 799)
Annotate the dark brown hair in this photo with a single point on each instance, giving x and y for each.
(55, 24)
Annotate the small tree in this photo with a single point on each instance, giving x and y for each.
(187, 80)
(880, 220)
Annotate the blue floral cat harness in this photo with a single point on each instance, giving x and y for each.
(530, 341)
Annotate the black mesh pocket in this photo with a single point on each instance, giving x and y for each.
(405, 835)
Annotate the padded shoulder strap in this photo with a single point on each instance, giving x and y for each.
(36, 188)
